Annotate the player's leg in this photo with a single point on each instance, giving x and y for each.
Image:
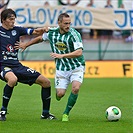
(71, 99)
(60, 93)
(76, 79)
(45, 96)
(61, 83)
(30, 76)
(11, 80)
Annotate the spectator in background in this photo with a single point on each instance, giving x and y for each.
(68, 2)
(46, 3)
(122, 6)
(91, 4)
(92, 32)
(3, 4)
(129, 38)
(108, 32)
(109, 5)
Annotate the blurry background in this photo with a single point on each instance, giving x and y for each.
(99, 44)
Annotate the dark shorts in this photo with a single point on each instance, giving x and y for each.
(24, 74)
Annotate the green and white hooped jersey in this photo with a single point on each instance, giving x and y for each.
(65, 43)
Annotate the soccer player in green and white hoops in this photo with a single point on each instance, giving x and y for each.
(66, 45)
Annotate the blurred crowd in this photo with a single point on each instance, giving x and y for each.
(126, 35)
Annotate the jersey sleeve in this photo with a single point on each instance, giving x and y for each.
(78, 45)
(45, 37)
(29, 31)
(77, 41)
(25, 31)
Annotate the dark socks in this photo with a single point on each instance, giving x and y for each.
(6, 96)
(46, 99)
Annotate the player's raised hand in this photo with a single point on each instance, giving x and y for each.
(20, 45)
(40, 31)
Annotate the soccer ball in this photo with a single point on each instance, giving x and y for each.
(113, 113)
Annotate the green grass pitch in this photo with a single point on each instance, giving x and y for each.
(87, 116)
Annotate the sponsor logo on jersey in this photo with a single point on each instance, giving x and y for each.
(10, 48)
(61, 46)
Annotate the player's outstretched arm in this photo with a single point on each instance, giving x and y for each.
(23, 46)
(40, 31)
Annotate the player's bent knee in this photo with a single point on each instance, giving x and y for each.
(60, 94)
(12, 81)
(47, 83)
(75, 90)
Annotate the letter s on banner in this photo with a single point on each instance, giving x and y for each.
(20, 15)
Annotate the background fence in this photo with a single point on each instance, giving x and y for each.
(94, 49)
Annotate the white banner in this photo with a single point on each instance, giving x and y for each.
(94, 18)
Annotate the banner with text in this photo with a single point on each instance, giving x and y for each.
(94, 69)
(95, 18)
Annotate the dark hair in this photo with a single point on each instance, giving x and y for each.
(7, 13)
(60, 18)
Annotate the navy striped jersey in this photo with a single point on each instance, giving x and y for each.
(63, 44)
(8, 38)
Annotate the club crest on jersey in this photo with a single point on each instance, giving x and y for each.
(14, 32)
(61, 46)
(10, 48)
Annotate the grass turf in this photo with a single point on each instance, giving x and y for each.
(87, 116)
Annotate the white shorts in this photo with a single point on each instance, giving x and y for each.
(64, 78)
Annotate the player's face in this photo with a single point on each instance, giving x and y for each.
(64, 25)
(9, 22)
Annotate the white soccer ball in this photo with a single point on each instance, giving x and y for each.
(113, 113)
